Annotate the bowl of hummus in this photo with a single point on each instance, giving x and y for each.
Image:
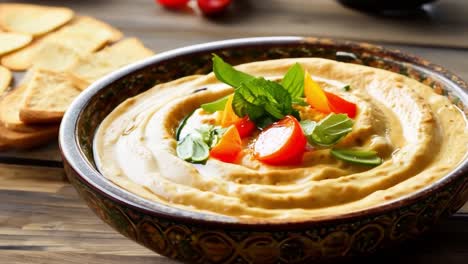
(271, 150)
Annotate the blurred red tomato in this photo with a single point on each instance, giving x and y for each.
(174, 4)
(211, 7)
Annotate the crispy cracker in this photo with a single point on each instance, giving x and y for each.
(55, 56)
(10, 139)
(84, 35)
(5, 79)
(12, 41)
(33, 19)
(96, 65)
(48, 96)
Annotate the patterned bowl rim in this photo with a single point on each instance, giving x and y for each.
(76, 159)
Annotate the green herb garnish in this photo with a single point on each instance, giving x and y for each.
(182, 124)
(328, 131)
(193, 149)
(362, 157)
(227, 74)
(346, 88)
(293, 81)
(214, 106)
(263, 101)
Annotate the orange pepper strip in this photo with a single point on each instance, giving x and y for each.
(228, 147)
(228, 116)
(315, 96)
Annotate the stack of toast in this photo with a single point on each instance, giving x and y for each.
(62, 54)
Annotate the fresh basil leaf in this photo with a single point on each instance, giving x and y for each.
(227, 74)
(293, 81)
(269, 95)
(264, 121)
(362, 157)
(214, 106)
(205, 133)
(215, 135)
(308, 127)
(299, 101)
(331, 129)
(182, 124)
(242, 107)
(185, 148)
(201, 151)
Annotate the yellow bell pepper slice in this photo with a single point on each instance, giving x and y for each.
(228, 117)
(314, 94)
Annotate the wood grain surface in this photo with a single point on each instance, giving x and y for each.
(42, 220)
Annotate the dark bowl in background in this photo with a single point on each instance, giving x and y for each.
(382, 5)
(205, 238)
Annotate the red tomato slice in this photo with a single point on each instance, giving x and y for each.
(341, 106)
(228, 147)
(245, 127)
(175, 4)
(211, 7)
(283, 143)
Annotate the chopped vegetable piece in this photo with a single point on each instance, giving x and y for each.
(245, 127)
(347, 88)
(341, 106)
(229, 146)
(330, 130)
(362, 157)
(214, 106)
(314, 94)
(283, 143)
(193, 149)
(228, 116)
(182, 124)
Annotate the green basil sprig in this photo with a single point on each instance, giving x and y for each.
(361, 157)
(328, 131)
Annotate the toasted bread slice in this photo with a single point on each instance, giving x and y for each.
(12, 41)
(55, 56)
(33, 19)
(84, 35)
(5, 79)
(96, 65)
(48, 96)
(10, 139)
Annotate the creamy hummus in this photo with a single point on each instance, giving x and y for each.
(420, 135)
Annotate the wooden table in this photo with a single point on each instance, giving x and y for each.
(42, 220)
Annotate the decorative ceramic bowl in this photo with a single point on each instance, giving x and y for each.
(202, 238)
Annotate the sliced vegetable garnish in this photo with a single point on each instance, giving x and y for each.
(330, 130)
(293, 81)
(214, 106)
(182, 124)
(362, 157)
(227, 74)
(228, 147)
(308, 127)
(245, 127)
(228, 116)
(341, 106)
(283, 143)
(193, 149)
(314, 94)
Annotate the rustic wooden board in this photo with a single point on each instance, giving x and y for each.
(42, 220)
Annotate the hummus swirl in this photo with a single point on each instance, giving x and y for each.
(420, 135)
